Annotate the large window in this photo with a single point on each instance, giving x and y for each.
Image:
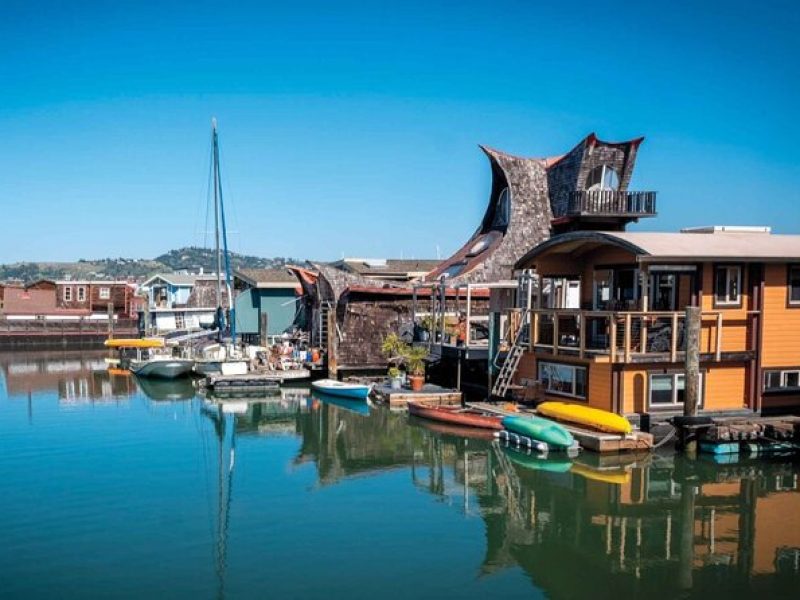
(794, 285)
(781, 379)
(105, 293)
(727, 285)
(602, 178)
(669, 389)
(81, 294)
(566, 380)
(68, 294)
(502, 209)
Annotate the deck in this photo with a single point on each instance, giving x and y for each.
(596, 441)
(429, 393)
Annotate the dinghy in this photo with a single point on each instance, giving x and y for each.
(354, 391)
(593, 418)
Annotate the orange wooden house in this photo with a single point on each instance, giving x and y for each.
(608, 327)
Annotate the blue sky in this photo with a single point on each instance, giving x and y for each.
(352, 127)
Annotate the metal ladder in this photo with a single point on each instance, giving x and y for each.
(324, 310)
(505, 377)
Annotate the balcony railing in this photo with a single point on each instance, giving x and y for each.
(630, 336)
(605, 203)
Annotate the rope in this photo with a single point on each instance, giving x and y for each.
(667, 438)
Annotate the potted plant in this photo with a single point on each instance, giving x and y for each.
(394, 349)
(415, 361)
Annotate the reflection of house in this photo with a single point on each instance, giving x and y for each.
(609, 327)
(271, 292)
(181, 301)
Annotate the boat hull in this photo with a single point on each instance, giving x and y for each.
(221, 367)
(540, 430)
(455, 415)
(342, 390)
(593, 418)
(163, 369)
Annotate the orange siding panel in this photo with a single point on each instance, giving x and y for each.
(781, 340)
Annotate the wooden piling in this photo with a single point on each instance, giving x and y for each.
(263, 329)
(692, 376)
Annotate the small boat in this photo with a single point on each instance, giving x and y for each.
(593, 418)
(222, 366)
(163, 367)
(540, 430)
(343, 389)
(455, 415)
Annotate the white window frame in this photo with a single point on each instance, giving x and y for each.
(728, 301)
(575, 368)
(783, 376)
(104, 293)
(67, 293)
(81, 294)
(674, 403)
(789, 301)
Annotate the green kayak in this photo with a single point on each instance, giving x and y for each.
(540, 430)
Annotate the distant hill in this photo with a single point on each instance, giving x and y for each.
(189, 259)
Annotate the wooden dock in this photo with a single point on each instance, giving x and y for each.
(596, 441)
(248, 382)
(430, 393)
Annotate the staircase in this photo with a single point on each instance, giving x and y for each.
(323, 334)
(505, 377)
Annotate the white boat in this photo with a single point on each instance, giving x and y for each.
(221, 366)
(355, 391)
(162, 366)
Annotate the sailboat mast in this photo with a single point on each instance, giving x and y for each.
(215, 169)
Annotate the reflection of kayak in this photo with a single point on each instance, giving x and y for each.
(594, 418)
(460, 431)
(538, 462)
(616, 476)
(540, 430)
(332, 387)
(455, 415)
(354, 405)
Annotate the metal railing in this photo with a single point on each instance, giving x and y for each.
(605, 202)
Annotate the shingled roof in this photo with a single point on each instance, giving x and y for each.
(267, 278)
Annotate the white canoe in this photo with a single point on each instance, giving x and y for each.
(355, 391)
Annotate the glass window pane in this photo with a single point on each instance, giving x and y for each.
(720, 287)
(794, 284)
(661, 389)
(580, 382)
(733, 284)
(772, 379)
(791, 379)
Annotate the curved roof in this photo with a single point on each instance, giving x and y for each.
(662, 246)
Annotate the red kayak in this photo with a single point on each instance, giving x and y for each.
(455, 415)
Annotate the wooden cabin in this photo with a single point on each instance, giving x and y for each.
(608, 325)
(271, 292)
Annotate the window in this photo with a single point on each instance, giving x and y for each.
(669, 389)
(503, 209)
(81, 294)
(105, 293)
(781, 379)
(566, 380)
(180, 321)
(602, 178)
(68, 294)
(794, 285)
(727, 285)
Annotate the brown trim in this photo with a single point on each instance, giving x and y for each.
(742, 284)
(762, 383)
(789, 303)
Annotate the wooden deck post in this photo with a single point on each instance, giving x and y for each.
(535, 333)
(627, 337)
(673, 346)
(110, 309)
(692, 375)
(555, 333)
(263, 329)
(612, 334)
(718, 349)
(468, 316)
(582, 336)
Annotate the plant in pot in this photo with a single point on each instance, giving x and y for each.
(394, 349)
(415, 361)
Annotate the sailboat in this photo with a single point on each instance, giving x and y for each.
(220, 357)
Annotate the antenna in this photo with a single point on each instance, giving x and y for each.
(214, 123)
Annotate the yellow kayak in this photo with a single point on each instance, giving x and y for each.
(594, 418)
(135, 343)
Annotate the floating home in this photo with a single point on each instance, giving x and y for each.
(608, 326)
(179, 301)
(273, 294)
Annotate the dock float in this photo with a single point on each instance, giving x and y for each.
(429, 394)
(596, 441)
(248, 382)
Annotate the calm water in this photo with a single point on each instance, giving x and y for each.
(114, 489)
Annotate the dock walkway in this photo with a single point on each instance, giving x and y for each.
(596, 441)
(430, 393)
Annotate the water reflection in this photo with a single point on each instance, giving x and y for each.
(76, 377)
